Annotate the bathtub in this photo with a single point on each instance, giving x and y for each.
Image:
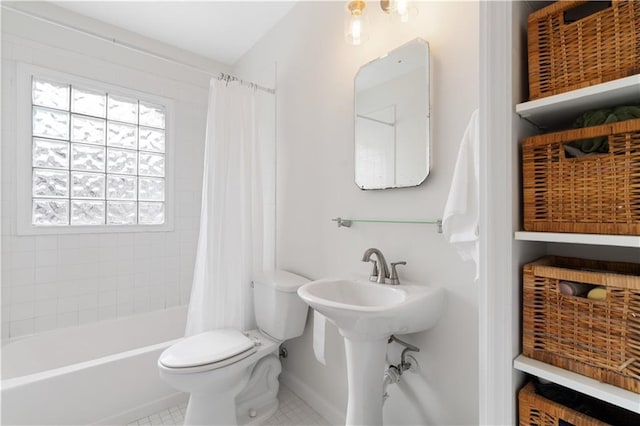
(100, 373)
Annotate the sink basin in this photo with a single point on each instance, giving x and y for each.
(366, 314)
(367, 309)
(359, 296)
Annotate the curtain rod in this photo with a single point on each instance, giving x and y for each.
(228, 78)
(135, 48)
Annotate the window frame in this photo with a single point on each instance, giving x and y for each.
(24, 144)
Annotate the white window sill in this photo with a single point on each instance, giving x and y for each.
(102, 229)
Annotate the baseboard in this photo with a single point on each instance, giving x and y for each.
(145, 410)
(327, 410)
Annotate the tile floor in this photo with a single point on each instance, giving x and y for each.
(292, 412)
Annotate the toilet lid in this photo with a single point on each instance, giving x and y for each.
(208, 348)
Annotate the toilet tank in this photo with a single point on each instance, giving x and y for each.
(280, 313)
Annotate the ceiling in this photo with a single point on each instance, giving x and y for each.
(220, 30)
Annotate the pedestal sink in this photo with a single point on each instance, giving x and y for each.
(366, 314)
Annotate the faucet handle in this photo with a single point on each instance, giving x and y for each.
(374, 272)
(394, 280)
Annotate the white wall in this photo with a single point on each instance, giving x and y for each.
(315, 183)
(64, 280)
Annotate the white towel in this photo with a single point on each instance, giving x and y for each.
(319, 336)
(461, 213)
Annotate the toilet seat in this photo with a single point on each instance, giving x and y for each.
(207, 351)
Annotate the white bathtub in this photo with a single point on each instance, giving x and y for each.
(101, 373)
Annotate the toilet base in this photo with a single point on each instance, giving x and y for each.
(259, 399)
(204, 410)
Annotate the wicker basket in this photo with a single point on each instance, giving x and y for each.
(598, 339)
(565, 56)
(534, 409)
(595, 194)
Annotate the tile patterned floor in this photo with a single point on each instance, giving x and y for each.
(292, 412)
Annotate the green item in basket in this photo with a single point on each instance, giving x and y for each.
(596, 118)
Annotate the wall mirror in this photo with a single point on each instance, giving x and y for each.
(392, 119)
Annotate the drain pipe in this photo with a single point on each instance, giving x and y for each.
(394, 372)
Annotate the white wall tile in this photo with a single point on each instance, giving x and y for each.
(46, 274)
(88, 301)
(46, 307)
(125, 296)
(20, 328)
(67, 304)
(22, 311)
(142, 280)
(23, 294)
(6, 296)
(88, 287)
(107, 298)
(126, 266)
(124, 309)
(45, 323)
(46, 291)
(125, 253)
(125, 239)
(68, 289)
(5, 330)
(172, 295)
(109, 312)
(108, 240)
(19, 277)
(47, 257)
(22, 243)
(125, 282)
(21, 259)
(67, 319)
(108, 283)
(156, 303)
(87, 315)
(46, 242)
(141, 305)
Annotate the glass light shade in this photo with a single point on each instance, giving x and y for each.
(403, 10)
(400, 10)
(356, 30)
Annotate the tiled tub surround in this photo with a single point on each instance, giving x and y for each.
(104, 373)
(54, 281)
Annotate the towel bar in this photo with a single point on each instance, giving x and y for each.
(346, 223)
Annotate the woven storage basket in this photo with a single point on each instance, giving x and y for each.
(594, 194)
(598, 339)
(566, 56)
(534, 409)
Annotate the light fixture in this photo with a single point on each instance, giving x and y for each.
(356, 25)
(399, 8)
(402, 9)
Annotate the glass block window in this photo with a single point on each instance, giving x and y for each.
(98, 158)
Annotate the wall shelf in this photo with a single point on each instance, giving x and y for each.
(612, 394)
(346, 223)
(558, 109)
(593, 239)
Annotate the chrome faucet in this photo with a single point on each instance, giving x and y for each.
(383, 269)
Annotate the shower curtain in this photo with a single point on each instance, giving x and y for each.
(230, 244)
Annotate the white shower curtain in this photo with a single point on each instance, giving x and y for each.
(230, 245)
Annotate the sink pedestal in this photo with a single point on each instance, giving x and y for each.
(365, 372)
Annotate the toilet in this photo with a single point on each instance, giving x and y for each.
(232, 375)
